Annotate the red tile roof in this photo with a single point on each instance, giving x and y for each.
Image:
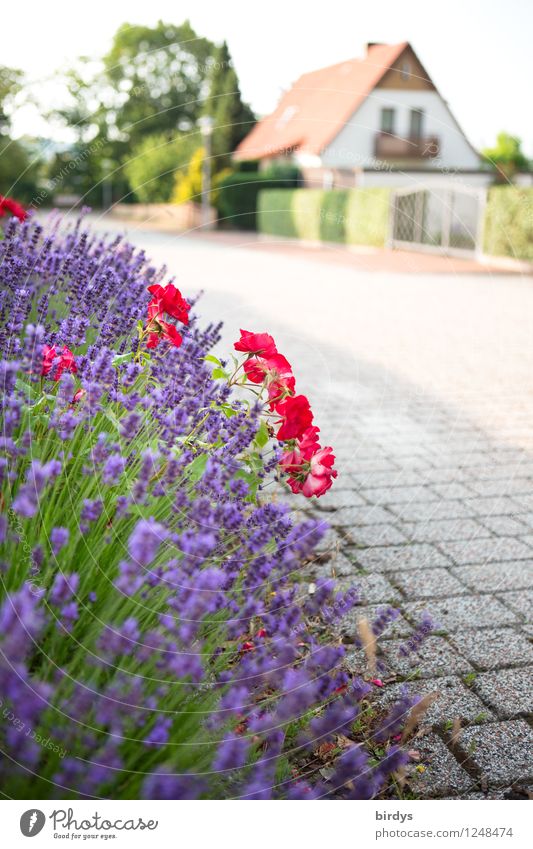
(319, 104)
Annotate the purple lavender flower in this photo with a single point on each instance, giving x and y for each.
(59, 537)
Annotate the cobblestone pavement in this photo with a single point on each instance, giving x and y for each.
(423, 384)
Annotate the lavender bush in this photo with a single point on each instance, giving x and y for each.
(154, 639)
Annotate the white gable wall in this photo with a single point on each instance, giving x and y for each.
(353, 147)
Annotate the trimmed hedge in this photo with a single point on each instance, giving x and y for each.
(509, 222)
(237, 196)
(347, 216)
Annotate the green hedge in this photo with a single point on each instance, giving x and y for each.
(237, 196)
(348, 216)
(509, 222)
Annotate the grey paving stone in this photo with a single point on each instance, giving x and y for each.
(435, 658)
(377, 589)
(495, 506)
(348, 624)
(454, 700)
(330, 542)
(336, 566)
(485, 549)
(493, 649)
(430, 511)
(508, 691)
(451, 529)
(502, 486)
(442, 774)
(400, 494)
(494, 577)
(452, 490)
(400, 557)
(452, 614)
(520, 602)
(335, 499)
(375, 535)
(504, 525)
(502, 752)
(396, 478)
(428, 583)
(366, 515)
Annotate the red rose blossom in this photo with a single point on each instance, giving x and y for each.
(256, 343)
(310, 477)
(171, 301)
(13, 207)
(296, 417)
(66, 361)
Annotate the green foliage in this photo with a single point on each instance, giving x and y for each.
(509, 222)
(367, 217)
(159, 74)
(284, 171)
(274, 214)
(349, 216)
(306, 213)
(188, 184)
(232, 118)
(507, 154)
(154, 163)
(10, 85)
(333, 216)
(237, 199)
(19, 171)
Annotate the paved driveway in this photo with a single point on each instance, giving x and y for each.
(424, 386)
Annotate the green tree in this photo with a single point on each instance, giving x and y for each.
(10, 86)
(232, 117)
(158, 75)
(19, 167)
(507, 155)
(154, 163)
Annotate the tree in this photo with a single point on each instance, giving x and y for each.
(154, 163)
(159, 79)
(10, 85)
(507, 155)
(233, 119)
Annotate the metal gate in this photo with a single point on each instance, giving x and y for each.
(444, 219)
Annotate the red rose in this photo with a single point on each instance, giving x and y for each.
(313, 476)
(66, 361)
(321, 473)
(49, 355)
(256, 343)
(13, 207)
(277, 373)
(170, 300)
(159, 329)
(164, 331)
(296, 417)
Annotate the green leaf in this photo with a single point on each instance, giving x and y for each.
(228, 410)
(123, 358)
(209, 358)
(262, 437)
(197, 468)
(219, 373)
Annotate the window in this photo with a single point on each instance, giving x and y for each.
(405, 70)
(387, 120)
(416, 123)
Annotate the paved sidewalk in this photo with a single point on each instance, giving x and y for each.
(424, 385)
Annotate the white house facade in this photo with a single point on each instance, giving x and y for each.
(378, 120)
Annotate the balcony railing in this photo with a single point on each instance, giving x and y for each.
(387, 146)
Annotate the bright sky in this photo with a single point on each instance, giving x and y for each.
(478, 52)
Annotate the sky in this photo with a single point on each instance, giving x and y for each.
(478, 52)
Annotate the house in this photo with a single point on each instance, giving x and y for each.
(379, 120)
